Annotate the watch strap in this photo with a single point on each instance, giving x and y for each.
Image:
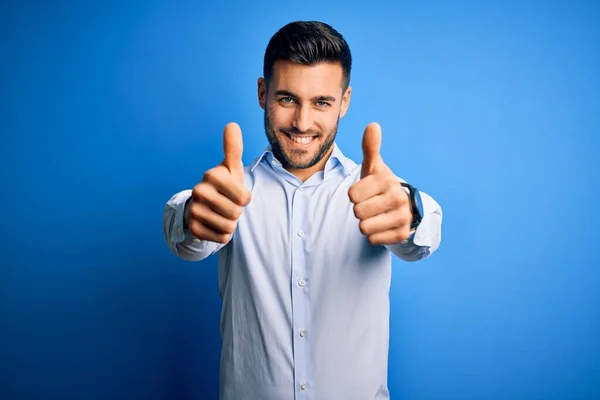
(416, 204)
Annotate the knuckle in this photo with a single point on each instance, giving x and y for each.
(209, 175)
(390, 185)
(248, 198)
(223, 237)
(244, 199)
(200, 212)
(196, 229)
(199, 192)
(236, 212)
(357, 211)
(229, 226)
(195, 209)
(400, 234)
(352, 194)
(212, 175)
(395, 199)
(364, 227)
(229, 211)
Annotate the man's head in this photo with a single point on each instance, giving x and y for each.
(304, 92)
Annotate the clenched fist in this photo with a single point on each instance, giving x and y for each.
(218, 200)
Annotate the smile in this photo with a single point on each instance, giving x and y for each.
(301, 139)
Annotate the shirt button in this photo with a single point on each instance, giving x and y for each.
(303, 386)
(300, 233)
(274, 162)
(301, 282)
(302, 333)
(179, 231)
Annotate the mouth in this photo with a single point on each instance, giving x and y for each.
(301, 140)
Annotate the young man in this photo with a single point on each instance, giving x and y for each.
(304, 235)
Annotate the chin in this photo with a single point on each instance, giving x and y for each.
(301, 162)
(300, 151)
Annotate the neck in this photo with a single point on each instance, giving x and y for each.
(304, 173)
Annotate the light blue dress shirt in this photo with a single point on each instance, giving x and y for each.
(305, 311)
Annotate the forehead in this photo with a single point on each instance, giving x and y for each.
(307, 80)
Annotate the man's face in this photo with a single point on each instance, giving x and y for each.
(302, 106)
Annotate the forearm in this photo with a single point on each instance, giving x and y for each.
(179, 240)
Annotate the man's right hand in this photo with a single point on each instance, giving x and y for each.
(218, 201)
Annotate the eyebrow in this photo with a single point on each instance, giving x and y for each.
(316, 98)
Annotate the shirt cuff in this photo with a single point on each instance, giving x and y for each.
(426, 238)
(179, 233)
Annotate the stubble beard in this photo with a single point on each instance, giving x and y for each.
(289, 161)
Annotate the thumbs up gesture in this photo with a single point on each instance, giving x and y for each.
(218, 200)
(380, 202)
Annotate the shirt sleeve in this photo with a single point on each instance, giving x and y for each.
(426, 239)
(180, 240)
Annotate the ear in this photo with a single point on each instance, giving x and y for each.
(262, 93)
(346, 101)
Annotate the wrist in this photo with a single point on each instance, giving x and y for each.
(416, 205)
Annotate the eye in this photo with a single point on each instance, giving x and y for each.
(286, 100)
(322, 104)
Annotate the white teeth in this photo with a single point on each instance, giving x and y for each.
(302, 139)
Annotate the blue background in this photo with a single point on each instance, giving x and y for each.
(108, 109)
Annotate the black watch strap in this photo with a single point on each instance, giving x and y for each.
(416, 204)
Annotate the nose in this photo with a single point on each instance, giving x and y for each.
(302, 118)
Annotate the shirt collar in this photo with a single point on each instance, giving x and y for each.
(336, 158)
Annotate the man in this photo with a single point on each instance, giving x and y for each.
(304, 235)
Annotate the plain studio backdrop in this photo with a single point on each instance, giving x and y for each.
(107, 109)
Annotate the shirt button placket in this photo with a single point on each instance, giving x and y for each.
(299, 293)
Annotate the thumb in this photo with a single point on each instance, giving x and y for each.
(371, 145)
(233, 147)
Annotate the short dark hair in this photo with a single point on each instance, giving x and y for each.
(308, 43)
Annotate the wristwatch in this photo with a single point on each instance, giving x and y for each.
(416, 205)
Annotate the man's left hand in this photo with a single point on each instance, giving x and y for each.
(380, 202)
